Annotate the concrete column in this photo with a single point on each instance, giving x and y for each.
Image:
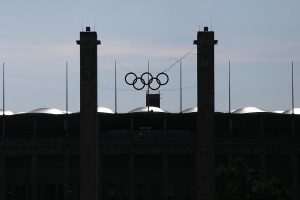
(34, 128)
(204, 191)
(13, 191)
(2, 177)
(100, 174)
(131, 127)
(261, 133)
(42, 191)
(229, 126)
(263, 165)
(57, 191)
(205, 174)
(67, 126)
(66, 175)
(28, 192)
(131, 177)
(165, 125)
(295, 176)
(148, 191)
(165, 167)
(230, 158)
(34, 187)
(88, 115)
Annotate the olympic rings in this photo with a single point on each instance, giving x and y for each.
(147, 79)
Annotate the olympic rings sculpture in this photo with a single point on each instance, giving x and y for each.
(146, 79)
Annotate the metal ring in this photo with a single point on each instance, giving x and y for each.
(142, 81)
(134, 80)
(149, 81)
(163, 73)
(158, 83)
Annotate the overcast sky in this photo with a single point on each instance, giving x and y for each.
(260, 37)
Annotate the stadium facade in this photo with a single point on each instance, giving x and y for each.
(141, 155)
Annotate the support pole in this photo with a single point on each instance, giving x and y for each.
(3, 101)
(67, 101)
(229, 88)
(3, 89)
(148, 90)
(293, 106)
(116, 87)
(67, 89)
(180, 86)
(293, 102)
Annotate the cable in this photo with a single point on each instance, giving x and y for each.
(185, 55)
(115, 60)
(167, 68)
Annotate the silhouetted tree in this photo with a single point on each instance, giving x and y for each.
(238, 182)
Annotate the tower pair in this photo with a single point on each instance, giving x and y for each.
(204, 151)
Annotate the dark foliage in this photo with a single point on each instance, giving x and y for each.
(238, 182)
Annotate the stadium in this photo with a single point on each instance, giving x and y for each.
(147, 153)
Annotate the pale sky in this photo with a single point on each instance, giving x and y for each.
(260, 37)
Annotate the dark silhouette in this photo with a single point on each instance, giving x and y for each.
(238, 181)
(142, 155)
(88, 115)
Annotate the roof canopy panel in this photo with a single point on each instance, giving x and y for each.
(249, 110)
(147, 109)
(53, 111)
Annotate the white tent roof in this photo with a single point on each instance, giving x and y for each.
(147, 109)
(249, 110)
(48, 111)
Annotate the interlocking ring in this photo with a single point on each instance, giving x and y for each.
(154, 83)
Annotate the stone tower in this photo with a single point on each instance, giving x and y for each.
(88, 115)
(205, 184)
